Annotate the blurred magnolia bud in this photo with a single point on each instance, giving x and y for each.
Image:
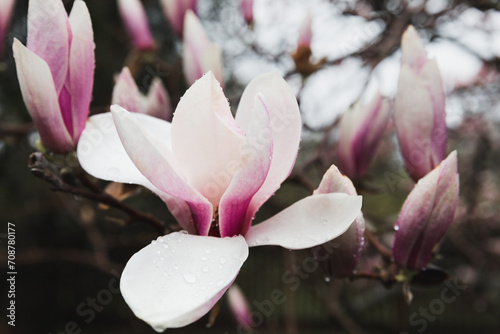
(426, 215)
(175, 10)
(127, 95)
(247, 10)
(136, 22)
(361, 129)
(303, 53)
(340, 256)
(6, 8)
(420, 108)
(200, 55)
(239, 306)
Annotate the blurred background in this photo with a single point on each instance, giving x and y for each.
(70, 250)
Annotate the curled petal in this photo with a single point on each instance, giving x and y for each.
(49, 36)
(286, 127)
(426, 215)
(41, 99)
(101, 154)
(251, 173)
(205, 141)
(81, 66)
(309, 222)
(179, 277)
(155, 161)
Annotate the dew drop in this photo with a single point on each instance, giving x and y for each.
(396, 227)
(153, 242)
(205, 269)
(223, 260)
(160, 239)
(325, 221)
(208, 251)
(327, 279)
(189, 278)
(176, 267)
(220, 283)
(203, 258)
(165, 246)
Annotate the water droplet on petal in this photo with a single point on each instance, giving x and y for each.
(153, 242)
(396, 227)
(325, 221)
(203, 258)
(208, 251)
(205, 269)
(189, 278)
(165, 246)
(176, 267)
(220, 283)
(327, 279)
(223, 260)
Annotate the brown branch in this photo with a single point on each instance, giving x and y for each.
(18, 130)
(39, 168)
(381, 248)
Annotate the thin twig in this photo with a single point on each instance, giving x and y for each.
(381, 248)
(39, 168)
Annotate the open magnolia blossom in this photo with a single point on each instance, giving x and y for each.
(214, 172)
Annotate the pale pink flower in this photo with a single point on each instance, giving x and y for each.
(214, 172)
(175, 10)
(136, 22)
(6, 9)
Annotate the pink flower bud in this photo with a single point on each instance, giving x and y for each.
(361, 129)
(127, 95)
(175, 10)
(340, 256)
(136, 22)
(6, 8)
(239, 306)
(56, 71)
(426, 215)
(247, 9)
(420, 108)
(305, 32)
(200, 55)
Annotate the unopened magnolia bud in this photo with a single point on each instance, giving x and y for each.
(340, 256)
(420, 108)
(426, 215)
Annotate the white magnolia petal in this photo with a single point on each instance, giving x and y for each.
(101, 153)
(179, 277)
(309, 222)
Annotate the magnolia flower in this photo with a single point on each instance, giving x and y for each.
(305, 32)
(56, 71)
(426, 215)
(247, 10)
(175, 11)
(127, 95)
(6, 8)
(136, 22)
(361, 129)
(420, 108)
(199, 54)
(347, 247)
(213, 172)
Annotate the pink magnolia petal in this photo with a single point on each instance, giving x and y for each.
(178, 278)
(125, 93)
(239, 305)
(247, 10)
(204, 141)
(101, 154)
(309, 222)
(334, 182)
(414, 119)
(157, 102)
(250, 175)
(155, 161)
(81, 65)
(286, 127)
(41, 99)
(136, 22)
(49, 36)
(195, 44)
(431, 77)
